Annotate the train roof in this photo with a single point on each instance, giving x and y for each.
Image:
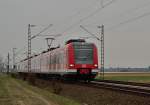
(75, 40)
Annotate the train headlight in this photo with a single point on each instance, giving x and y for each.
(95, 65)
(71, 65)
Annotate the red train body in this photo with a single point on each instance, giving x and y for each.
(77, 59)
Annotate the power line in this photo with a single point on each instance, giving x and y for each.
(80, 11)
(83, 9)
(38, 34)
(89, 32)
(97, 10)
(129, 21)
(90, 15)
(69, 18)
(136, 8)
(127, 11)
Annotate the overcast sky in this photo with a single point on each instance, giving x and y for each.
(127, 33)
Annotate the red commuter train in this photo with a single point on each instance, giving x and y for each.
(76, 60)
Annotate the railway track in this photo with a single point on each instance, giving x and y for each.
(100, 90)
(121, 86)
(128, 87)
(125, 82)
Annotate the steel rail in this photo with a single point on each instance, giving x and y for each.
(136, 89)
(125, 82)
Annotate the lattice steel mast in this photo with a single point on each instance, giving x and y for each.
(29, 48)
(102, 49)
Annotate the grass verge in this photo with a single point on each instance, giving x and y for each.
(48, 95)
(18, 92)
(131, 77)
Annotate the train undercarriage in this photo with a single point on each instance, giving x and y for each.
(69, 76)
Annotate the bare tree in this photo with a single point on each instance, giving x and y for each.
(1, 64)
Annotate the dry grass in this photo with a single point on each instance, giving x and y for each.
(17, 92)
(143, 77)
(127, 74)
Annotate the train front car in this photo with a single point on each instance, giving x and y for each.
(82, 59)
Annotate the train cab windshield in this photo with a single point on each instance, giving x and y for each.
(83, 53)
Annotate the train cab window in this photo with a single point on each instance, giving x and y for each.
(83, 53)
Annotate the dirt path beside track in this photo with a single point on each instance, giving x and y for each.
(19, 95)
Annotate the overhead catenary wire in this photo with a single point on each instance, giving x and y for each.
(136, 8)
(80, 11)
(88, 16)
(89, 32)
(128, 11)
(129, 21)
(69, 18)
(38, 34)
